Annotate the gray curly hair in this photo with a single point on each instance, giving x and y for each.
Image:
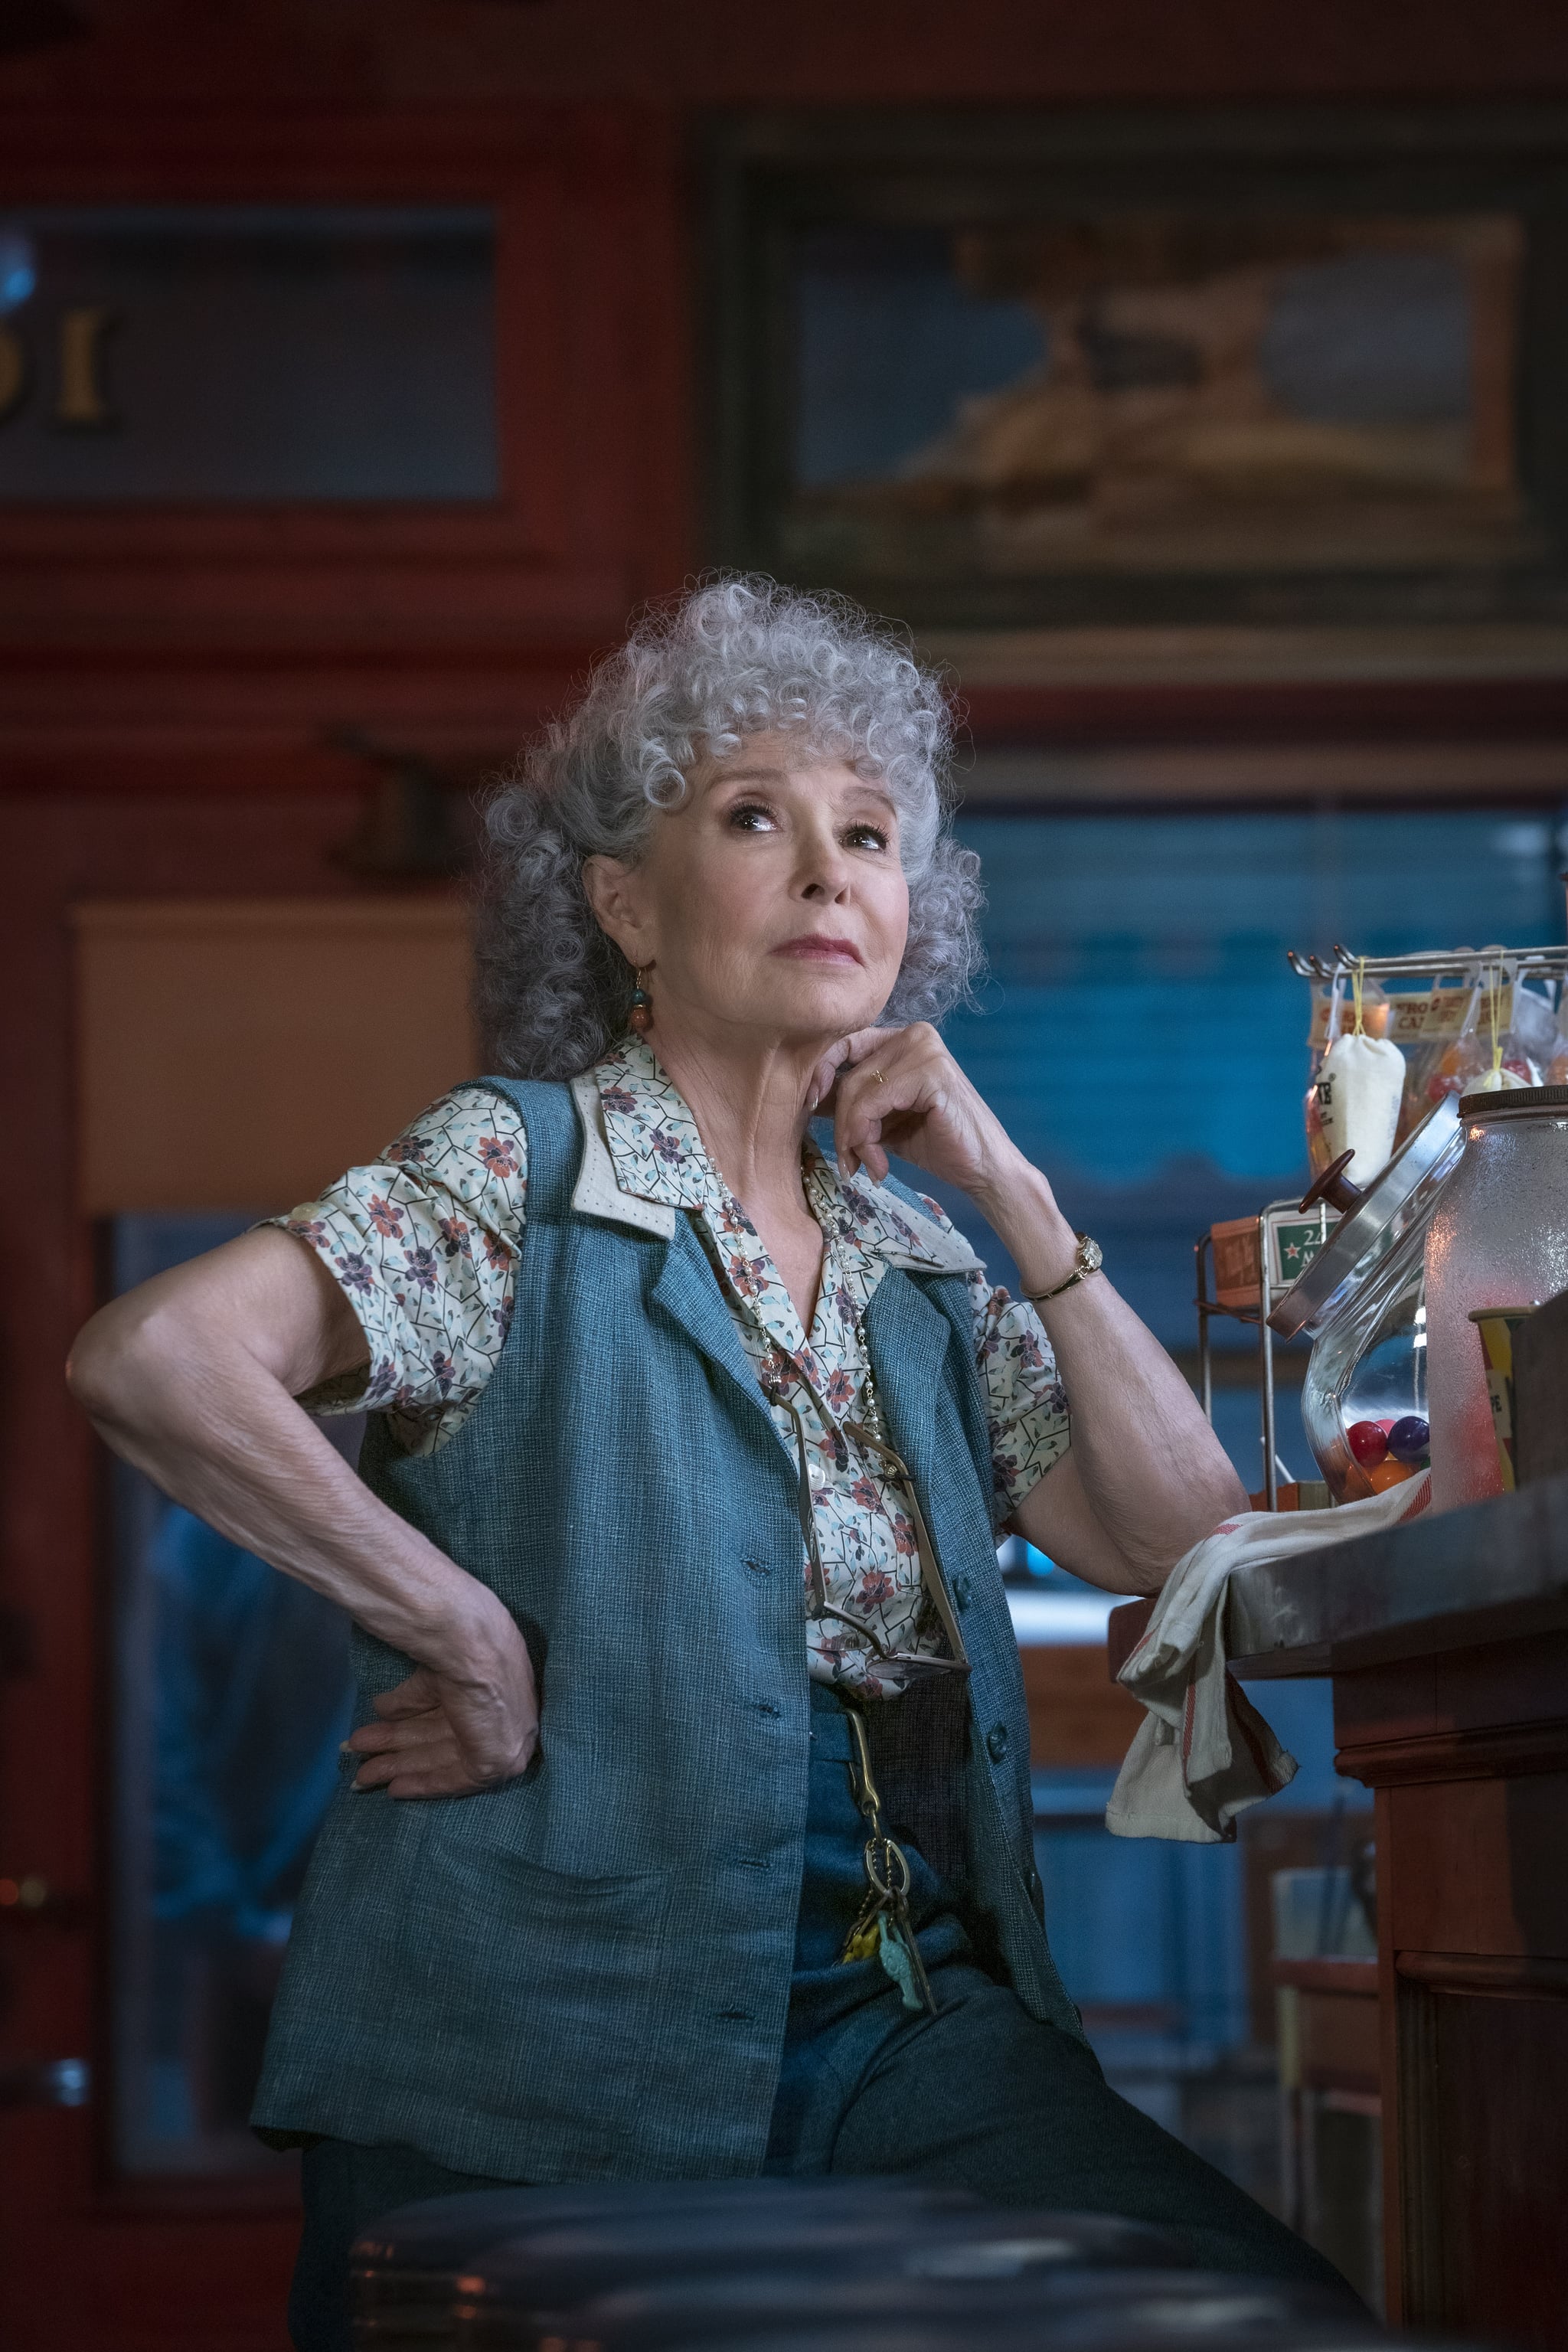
(737, 655)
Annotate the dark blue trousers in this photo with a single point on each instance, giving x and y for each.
(981, 2096)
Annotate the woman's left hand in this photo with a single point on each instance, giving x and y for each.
(1146, 1477)
(900, 1090)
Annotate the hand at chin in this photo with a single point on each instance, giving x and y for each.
(900, 1090)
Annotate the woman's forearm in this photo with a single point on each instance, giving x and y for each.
(193, 1378)
(194, 1407)
(1152, 1468)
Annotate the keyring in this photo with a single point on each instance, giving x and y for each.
(884, 1885)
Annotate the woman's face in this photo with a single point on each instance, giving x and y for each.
(772, 899)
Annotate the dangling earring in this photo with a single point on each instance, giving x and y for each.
(642, 1008)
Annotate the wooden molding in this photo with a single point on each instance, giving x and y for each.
(1373, 668)
(1522, 1975)
(1494, 1752)
(1244, 774)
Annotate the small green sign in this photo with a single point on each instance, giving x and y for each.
(1296, 1245)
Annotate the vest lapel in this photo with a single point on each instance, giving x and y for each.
(908, 1339)
(688, 1291)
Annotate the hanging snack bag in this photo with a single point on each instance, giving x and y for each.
(1505, 1040)
(1505, 1063)
(1334, 1008)
(1533, 1044)
(1436, 1030)
(1356, 1096)
(1487, 1033)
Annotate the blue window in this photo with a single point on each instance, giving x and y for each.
(1140, 1033)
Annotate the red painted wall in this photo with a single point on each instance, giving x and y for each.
(165, 680)
(397, 54)
(584, 118)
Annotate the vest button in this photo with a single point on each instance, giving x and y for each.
(996, 1742)
(961, 1589)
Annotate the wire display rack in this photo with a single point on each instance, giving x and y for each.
(1208, 1307)
(1431, 963)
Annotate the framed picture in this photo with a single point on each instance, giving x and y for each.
(1148, 370)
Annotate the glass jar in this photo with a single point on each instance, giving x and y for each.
(1362, 1303)
(1368, 1364)
(1498, 1237)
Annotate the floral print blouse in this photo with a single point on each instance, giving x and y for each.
(426, 1244)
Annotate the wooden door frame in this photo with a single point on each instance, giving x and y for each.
(93, 2260)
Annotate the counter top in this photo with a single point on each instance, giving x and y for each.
(1450, 1580)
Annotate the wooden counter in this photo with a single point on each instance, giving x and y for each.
(1448, 1643)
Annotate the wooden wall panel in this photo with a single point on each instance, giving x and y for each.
(1487, 2133)
(237, 1054)
(1463, 1854)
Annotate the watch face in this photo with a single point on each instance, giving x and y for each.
(1093, 1256)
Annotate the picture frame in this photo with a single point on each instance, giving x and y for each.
(1300, 368)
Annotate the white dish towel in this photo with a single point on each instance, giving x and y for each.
(1202, 1753)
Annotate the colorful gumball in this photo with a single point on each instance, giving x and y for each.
(1367, 1441)
(1410, 1440)
(1383, 1474)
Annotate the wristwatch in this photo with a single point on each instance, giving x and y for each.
(1090, 1259)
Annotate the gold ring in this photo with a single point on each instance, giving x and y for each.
(881, 1081)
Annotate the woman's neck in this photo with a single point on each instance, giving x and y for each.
(751, 1106)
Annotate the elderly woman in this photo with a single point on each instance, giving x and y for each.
(687, 1828)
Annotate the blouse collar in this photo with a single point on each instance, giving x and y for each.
(656, 1156)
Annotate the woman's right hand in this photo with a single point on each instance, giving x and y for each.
(194, 1378)
(466, 1725)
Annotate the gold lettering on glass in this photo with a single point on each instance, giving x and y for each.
(82, 404)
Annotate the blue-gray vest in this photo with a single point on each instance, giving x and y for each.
(585, 1973)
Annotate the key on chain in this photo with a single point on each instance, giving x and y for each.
(883, 1928)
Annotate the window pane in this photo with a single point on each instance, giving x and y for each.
(238, 351)
(233, 1692)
